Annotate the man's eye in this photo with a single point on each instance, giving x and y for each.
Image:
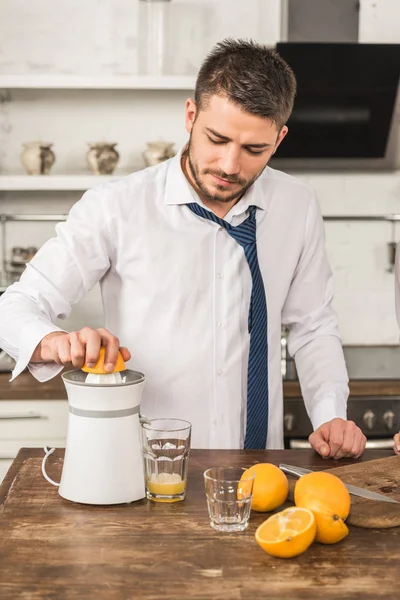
(217, 142)
(254, 152)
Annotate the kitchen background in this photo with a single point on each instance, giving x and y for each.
(71, 73)
(75, 73)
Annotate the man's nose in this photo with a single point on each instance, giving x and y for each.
(229, 162)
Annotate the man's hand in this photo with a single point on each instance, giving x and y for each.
(79, 347)
(396, 444)
(338, 439)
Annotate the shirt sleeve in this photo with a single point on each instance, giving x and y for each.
(314, 339)
(61, 273)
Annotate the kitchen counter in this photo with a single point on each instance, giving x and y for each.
(358, 387)
(51, 548)
(26, 387)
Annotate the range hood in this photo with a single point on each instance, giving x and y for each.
(345, 108)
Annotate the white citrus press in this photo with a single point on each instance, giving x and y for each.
(103, 458)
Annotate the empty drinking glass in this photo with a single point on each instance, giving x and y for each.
(229, 492)
(166, 447)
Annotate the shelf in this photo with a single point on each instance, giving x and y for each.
(100, 82)
(52, 183)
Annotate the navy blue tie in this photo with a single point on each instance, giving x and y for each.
(257, 379)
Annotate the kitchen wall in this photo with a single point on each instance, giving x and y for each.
(101, 37)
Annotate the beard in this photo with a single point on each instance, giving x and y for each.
(214, 196)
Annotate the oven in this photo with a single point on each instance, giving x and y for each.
(373, 404)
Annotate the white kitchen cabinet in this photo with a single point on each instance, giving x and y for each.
(379, 21)
(31, 424)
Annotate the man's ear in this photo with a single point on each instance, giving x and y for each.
(280, 137)
(190, 114)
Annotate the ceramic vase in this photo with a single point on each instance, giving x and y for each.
(102, 158)
(37, 158)
(157, 152)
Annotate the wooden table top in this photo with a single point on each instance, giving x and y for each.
(56, 550)
(26, 387)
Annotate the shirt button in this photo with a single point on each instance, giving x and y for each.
(220, 324)
(220, 372)
(219, 276)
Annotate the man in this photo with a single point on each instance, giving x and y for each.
(200, 260)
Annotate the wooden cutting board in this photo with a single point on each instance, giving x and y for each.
(382, 476)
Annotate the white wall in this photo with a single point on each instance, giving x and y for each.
(100, 36)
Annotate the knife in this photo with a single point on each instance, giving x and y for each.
(353, 489)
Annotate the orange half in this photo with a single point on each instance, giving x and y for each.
(287, 533)
(99, 366)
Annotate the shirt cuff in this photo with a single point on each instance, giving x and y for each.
(326, 409)
(33, 335)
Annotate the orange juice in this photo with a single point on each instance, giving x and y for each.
(166, 484)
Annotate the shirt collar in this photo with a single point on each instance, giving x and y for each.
(179, 191)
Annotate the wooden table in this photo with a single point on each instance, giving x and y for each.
(56, 550)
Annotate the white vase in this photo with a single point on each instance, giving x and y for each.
(157, 152)
(102, 158)
(37, 158)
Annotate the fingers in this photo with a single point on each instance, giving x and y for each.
(77, 350)
(318, 440)
(353, 442)
(342, 438)
(83, 346)
(336, 437)
(61, 350)
(359, 446)
(111, 344)
(396, 446)
(348, 432)
(91, 340)
(126, 355)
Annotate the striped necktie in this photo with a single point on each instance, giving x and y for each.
(257, 379)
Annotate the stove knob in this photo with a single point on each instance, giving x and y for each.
(288, 421)
(389, 419)
(369, 419)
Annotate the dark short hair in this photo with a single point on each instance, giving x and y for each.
(250, 75)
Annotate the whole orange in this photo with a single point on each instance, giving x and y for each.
(270, 487)
(327, 497)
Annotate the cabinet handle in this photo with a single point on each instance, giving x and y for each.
(7, 456)
(28, 415)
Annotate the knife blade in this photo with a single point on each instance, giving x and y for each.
(352, 489)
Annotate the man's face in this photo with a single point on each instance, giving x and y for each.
(228, 148)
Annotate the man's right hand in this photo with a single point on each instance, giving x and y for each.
(79, 347)
(396, 443)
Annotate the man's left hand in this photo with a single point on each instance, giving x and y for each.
(338, 439)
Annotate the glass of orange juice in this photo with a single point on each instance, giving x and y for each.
(166, 447)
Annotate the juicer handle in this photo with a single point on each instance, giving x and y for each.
(46, 456)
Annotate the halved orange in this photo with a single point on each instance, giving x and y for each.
(99, 366)
(287, 533)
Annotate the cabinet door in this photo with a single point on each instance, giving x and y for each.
(379, 21)
(33, 419)
(322, 21)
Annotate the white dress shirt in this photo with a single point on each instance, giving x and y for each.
(176, 291)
